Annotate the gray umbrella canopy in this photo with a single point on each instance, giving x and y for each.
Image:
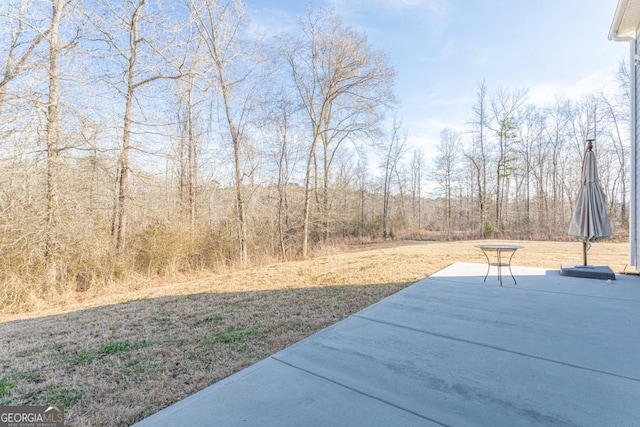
(590, 221)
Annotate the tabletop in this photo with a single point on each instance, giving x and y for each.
(499, 246)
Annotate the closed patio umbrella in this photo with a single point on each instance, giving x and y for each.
(590, 221)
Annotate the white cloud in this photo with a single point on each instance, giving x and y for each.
(545, 93)
(433, 126)
(440, 100)
(435, 7)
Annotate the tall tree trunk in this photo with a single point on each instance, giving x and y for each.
(362, 200)
(307, 197)
(225, 54)
(53, 147)
(325, 189)
(192, 160)
(119, 222)
(282, 186)
(241, 220)
(385, 203)
(481, 120)
(123, 169)
(182, 164)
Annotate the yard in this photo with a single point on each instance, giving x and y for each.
(115, 359)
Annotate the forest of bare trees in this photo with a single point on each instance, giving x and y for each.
(144, 138)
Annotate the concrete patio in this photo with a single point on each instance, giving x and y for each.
(450, 350)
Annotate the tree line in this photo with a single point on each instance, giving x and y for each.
(146, 137)
(514, 172)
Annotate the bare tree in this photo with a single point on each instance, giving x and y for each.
(191, 96)
(477, 153)
(283, 149)
(283, 178)
(188, 151)
(24, 38)
(341, 83)
(53, 143)
(417, 168)
(616, 114)
(557, 130)
(220, 25)
(361, 178)
(131, 47)
(527, 149)
(505, 105)
(445, 170)
(393, 152)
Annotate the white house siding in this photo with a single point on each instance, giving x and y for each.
(626, 28)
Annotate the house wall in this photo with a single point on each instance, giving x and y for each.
(626, 18)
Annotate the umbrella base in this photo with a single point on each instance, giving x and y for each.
(601, 272)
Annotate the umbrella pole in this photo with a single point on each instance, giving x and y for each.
(584, 253)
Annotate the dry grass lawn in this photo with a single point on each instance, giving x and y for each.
(115, 359)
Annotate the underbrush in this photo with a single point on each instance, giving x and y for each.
(88, 268)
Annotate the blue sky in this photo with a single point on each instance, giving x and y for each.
(441, 49)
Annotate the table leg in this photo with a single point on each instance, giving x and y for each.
(511, 272)
(499, 257)
(488, 266)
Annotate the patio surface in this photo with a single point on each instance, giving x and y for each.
(450, 350)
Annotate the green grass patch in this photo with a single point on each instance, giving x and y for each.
(235, 334)
(132, 367)
(6, 386)
(86, 357)
(337, 296)
(122, 347)
(237, 337)
(115, 347)
(66, 397)
(28, 376)
(195, 355)
(83, 358)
